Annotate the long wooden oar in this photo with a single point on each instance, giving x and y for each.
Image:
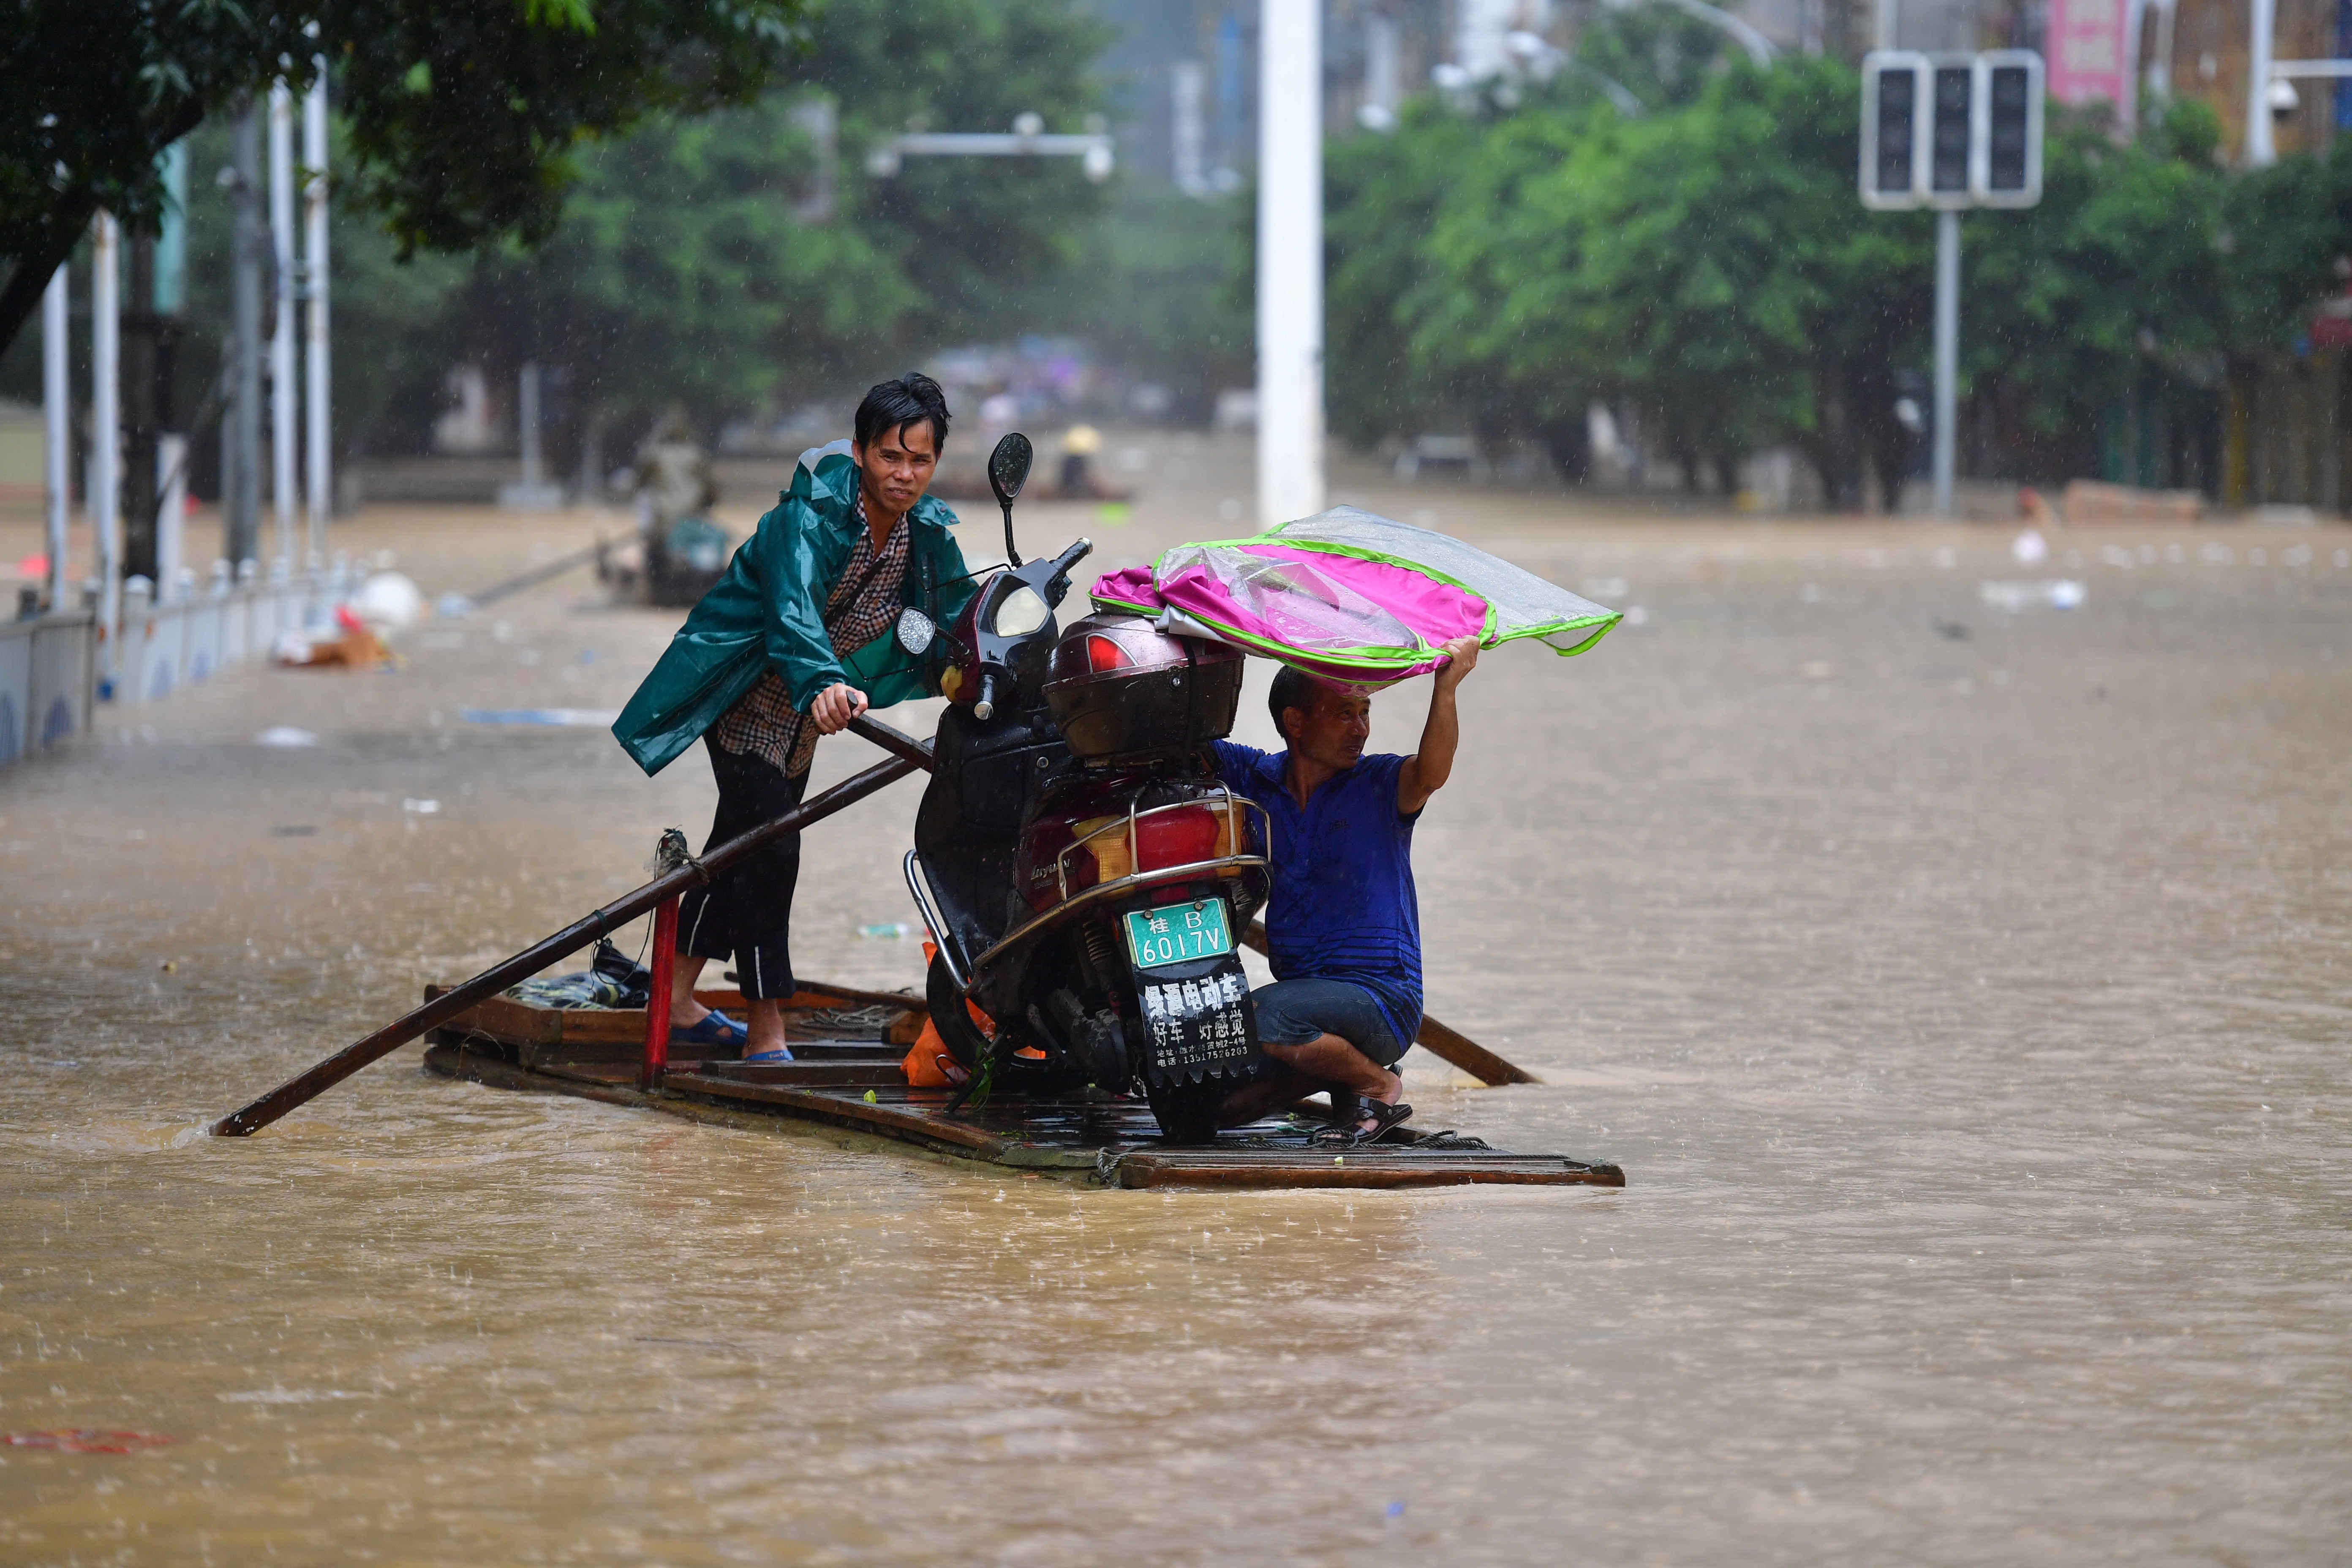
(908, 756)
(1435, 1037)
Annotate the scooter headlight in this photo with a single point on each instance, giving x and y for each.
(1019, 613)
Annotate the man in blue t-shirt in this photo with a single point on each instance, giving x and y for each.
(1343, 924)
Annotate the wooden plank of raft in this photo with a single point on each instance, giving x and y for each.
(893, 1116)
(1360, 1168)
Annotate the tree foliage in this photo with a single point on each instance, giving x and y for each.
(464, 119)
(1708, 267)
(679, 272)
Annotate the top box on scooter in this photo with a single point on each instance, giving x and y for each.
(1122, 691)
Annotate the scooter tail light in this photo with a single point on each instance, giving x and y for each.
(1103, 654)
(1177, 838)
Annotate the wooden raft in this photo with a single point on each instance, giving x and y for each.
(849, 1044)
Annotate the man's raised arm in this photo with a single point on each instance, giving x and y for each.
(1425, 771)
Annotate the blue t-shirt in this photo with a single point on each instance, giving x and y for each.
(1343, 905)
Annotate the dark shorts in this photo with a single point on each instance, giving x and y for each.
(747, 911)
(1292, 1011)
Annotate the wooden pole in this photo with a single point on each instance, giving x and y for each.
(656, 1062)
(305, 1086)
(1436, 1038)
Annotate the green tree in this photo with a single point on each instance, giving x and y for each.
(2283, 235)
(1382, 194)
(1706, 264)
(2113, 291)
(681, 274)
(1162, 289)
(1662, 56)
(464, 119)
(967, 233)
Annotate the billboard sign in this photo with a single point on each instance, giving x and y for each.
(2085, 48)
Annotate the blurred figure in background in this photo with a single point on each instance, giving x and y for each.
(685, 549)
(1079, 444)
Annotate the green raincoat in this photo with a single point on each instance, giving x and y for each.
(766, 614)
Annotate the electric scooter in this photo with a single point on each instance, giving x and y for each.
(1082, 870)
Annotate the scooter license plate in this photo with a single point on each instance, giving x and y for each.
(1177, 933)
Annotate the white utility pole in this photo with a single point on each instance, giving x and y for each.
(1289, 260)
(1948, 354)
(284, 407)
(1384, 73)
(2261, 151)
(57, 418)
(1187, 83)
(106, 429)
(171, 518)
(316, 381)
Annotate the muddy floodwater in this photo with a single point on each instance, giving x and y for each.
(1964, 991)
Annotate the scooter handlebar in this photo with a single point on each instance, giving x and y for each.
(1058, 586)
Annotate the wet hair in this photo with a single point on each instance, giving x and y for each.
(912, 399)
(1292, 688)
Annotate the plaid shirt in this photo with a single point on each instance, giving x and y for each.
(764, 724)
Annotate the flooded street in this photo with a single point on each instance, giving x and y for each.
(1964, 993)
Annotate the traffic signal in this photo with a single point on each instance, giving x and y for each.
(1954, 86)
(1951, 131)
(1893, 94)
(2006, 162)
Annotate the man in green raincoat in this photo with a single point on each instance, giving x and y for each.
(795, 642)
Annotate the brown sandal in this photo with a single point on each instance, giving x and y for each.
(1383, 1119)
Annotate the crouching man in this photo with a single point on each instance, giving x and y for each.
(1343, 924)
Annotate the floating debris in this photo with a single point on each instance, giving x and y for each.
(559, 718)
(289, 1395)
(2057, 592)
(87, 1440)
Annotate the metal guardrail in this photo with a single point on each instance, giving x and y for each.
(203, 631)
(48, 681)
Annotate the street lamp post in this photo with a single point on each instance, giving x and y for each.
(1027, 138)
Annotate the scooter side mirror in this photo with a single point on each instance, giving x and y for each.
(916, 631)
(1008, 468)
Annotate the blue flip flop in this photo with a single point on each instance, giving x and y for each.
(716, 1028)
